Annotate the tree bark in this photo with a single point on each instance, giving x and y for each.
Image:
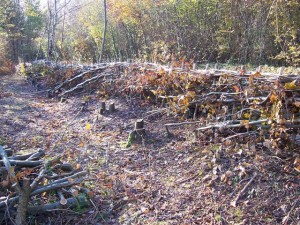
(104, 32)
(24, 195)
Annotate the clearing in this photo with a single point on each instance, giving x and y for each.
(162, 179)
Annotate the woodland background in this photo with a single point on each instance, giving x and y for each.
(234, 32)
(219, 145)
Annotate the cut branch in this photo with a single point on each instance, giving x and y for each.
(21, 163)
(46, 188)
(85, 83)
(242, 192)
(70, 203)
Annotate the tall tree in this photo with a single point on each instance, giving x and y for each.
(104, 32)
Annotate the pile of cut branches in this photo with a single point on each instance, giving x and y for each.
(64, 80)
(30, 185)
(226, 101)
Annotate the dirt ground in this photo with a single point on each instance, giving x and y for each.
(162, 179)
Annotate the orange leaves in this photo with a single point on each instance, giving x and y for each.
(81, 144)
(236, 89)
(24, 173)
(252, 76)
(273, 98)
(245, 123)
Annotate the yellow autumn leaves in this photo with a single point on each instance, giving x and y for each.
(88, 126)
(292, 85)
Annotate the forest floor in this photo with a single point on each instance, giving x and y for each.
(162, 179)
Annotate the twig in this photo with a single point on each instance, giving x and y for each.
(239, 134)
(287, 217)
(228, 125)
(187, 179)
(74, 176)
(242, 192)
(179, 124)
(37, 180)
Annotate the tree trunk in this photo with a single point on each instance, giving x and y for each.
(104, 32)
(24, 195)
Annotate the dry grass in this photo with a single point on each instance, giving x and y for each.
(7, 67)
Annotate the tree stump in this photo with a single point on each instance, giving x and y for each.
(139, 129)
(102, 108)
(139, 132)
(112, 107)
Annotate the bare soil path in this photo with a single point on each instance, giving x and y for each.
(159, 180)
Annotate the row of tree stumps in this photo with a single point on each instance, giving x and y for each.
(138, 133)
(111, 108)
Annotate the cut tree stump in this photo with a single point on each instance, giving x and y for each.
(139, 132)
(102, 108)
(112, 107)
(139, 128)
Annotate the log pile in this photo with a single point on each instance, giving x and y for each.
(25, 178)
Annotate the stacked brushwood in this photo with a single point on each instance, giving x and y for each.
(29, 184)
(67, 79)
(229, 101)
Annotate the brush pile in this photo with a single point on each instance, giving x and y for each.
(31, 185)
(226, 103)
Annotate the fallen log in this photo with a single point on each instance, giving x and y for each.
(233, 124)
(24, 192)
(24, 195)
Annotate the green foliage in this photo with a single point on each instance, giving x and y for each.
(22, 25)
(160, 31)
(131, 138)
